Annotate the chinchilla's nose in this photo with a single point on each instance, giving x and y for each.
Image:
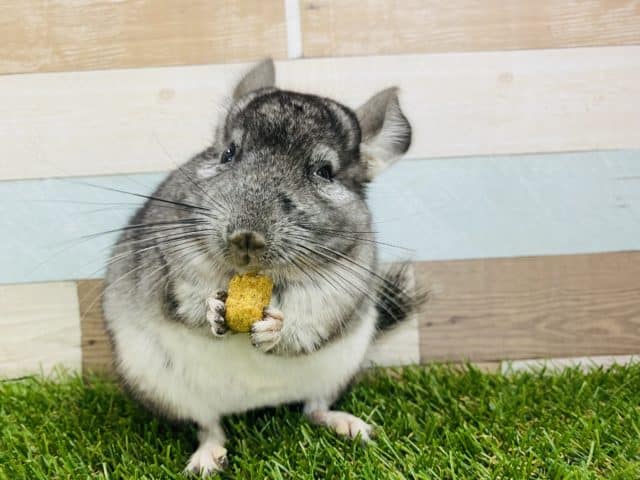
(246, 247)
(246, 241)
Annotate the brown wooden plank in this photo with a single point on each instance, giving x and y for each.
(354, 27)
(493, 309)
(97, 354)
(47, 35)
(516, 308)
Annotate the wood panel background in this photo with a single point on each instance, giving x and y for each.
(440, 209)
(460, 104)
(537, 307)
(483, 311)
(478, 78)
(39, 328)
(47, 36)
(97, 353)
(354, 27)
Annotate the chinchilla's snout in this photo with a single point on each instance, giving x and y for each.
(246, 247)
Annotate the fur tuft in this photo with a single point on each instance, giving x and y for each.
(397, 298)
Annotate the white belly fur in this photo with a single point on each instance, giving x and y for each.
(209, 377)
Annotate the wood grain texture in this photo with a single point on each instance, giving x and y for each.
(354, 27)
(48, 35)
(97, 354)
(538, 307)
(40, 327)
(485, 311)
(141, 120)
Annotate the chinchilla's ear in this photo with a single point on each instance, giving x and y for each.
(386, 132)
(261, 75)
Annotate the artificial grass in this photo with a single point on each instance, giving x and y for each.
(434, 423)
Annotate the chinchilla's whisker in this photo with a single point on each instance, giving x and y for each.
(114, 204)
(80, 202)
(353, 268)
(180, 168)
(160, 235)
(142, 195)
(116, 281)
(347, 283)
(356, 264)
(190, 253)
(111, 284)
(362, 290)
(296, 262)
(75, 242)
(330, 230)
(315, 269)
(349, 236)
(125, 255)
(173, 224)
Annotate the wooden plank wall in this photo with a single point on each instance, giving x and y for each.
(52, 36)
(111, 89)
(372, 27)
(483, 103)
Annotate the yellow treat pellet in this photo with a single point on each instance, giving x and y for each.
(247, 296)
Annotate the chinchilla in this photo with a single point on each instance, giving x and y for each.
(282, 189)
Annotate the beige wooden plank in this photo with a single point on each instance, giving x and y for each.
(537, 307)
(354, 27)
(48, 35)
(97, 354)
(141, 120)
(40, 327)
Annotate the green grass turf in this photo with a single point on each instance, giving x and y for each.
(434, 423)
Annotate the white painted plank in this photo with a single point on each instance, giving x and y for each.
(485, 207)
(40, 325)
(106, 122)
(554, 365)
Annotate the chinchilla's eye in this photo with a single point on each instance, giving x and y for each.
(325, 172)
(229, 153)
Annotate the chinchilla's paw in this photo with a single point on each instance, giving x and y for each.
(266, 333)
(343, 423)
(207, 459)
(216, 312)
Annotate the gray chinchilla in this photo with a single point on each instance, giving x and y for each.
(282, 189)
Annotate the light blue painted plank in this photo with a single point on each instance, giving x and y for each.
(442, 209)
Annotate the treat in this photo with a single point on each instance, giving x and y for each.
(247, 296)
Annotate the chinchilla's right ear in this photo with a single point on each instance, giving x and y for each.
(261, 75)
(386, 132)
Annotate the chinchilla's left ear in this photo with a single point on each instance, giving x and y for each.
(386, 132)
(262, 75)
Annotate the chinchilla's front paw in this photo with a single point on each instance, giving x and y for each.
(216, 312)
(266, 333)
